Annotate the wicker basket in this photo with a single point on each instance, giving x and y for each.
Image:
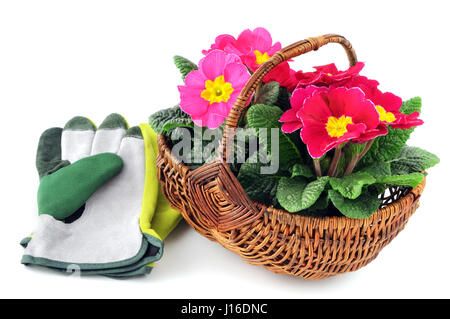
(213, 202)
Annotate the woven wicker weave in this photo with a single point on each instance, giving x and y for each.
(213, 202)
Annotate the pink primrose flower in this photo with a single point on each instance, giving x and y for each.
(335, 117)
(210, 92)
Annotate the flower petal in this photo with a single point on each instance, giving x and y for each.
(317, 140)
(406, 121)
(367, 86)
(237, 75)
(262, 40)
(274, 49)
(371, 134)
(290, 127)
(209, 119)
(195, 79)
(315, 110)
(327, 68)
(389, 101)
(191, 102)
(224, 42)
(289, 116)
(307, 78)
(301, 94)
(244, 41)
(354, 131)
(282, 74)
(221, 109)
(213, 64)
(352, 102)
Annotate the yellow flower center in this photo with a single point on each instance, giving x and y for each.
(336, 127)
(387, 117)
(261, 58)
(217, 91)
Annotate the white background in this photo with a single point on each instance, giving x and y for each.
(59, 59)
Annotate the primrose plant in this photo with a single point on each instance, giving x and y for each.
(321, 143)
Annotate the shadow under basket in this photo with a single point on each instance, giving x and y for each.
(213, 202)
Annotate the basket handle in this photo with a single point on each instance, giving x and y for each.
(291, 51)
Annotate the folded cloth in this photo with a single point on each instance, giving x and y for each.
(101, 210)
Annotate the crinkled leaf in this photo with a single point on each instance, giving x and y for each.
(356, 148)
(378, 169)
(350, 186)
(259, 187)
(260, 116)
(412, 105)
(412, 160)
(379, 187)
(412, 179)
(387, 147)
(200, 147)
(179, 122)
(362, 207)
(268, 94)
(296, 194)
(166, 119)
(302, 170)
(184, 65)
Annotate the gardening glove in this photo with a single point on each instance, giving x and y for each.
(101, 210)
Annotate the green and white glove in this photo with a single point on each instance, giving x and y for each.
(101, 209)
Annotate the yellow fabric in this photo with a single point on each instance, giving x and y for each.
(166, 218)
(157, 217)
(150, 198)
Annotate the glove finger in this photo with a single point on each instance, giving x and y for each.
(77, 137)
(48, 155)
(109, 135)
(62, 193)
(130, 182)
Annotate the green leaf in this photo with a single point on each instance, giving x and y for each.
(166, 119)
(362, 207)
(387, 147)
(263, 116)
(268, 94)
(302, 170)
(321, 203)
(356, 148)
(412, 105)
(296, 194)
(378, 169)
(380, 188)
(412, 179)
(184, 65)
(259, 187)
(177, 122)
(350, 186)
(412, 160)
(266, 116)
